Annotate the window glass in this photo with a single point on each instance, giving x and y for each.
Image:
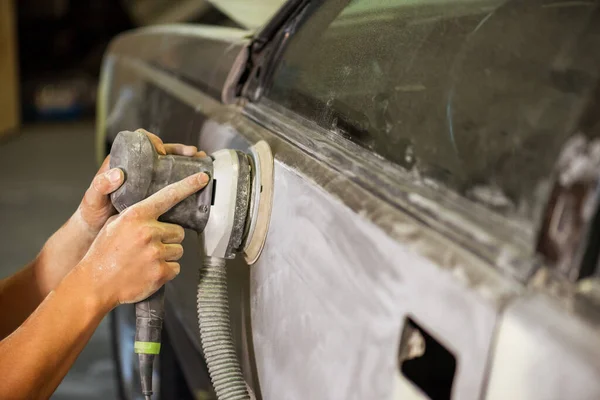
(477, 95)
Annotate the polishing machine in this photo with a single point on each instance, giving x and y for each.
(232, 213)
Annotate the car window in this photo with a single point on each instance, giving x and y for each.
(475, 95)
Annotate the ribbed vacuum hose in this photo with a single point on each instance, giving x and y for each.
(215, 331)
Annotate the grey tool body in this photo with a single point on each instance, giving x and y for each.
(146, 172)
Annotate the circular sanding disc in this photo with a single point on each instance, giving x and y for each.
(263, 192)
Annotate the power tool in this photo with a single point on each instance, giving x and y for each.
(232, 212)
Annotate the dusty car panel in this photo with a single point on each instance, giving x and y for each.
(297, 173)
(331, 259)
(358, 248)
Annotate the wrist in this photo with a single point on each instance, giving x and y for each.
(73, 238)
(78, 226)
(89, 289)
(61, 253)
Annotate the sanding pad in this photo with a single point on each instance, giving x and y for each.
(261, 202)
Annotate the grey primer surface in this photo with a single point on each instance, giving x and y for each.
(331, 290)
(354, 247)
(337, 334)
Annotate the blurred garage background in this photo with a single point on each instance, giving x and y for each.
(50, 56)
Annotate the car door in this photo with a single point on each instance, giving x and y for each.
(414, 148)
(423, 138)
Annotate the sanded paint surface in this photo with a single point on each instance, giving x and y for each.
(329, 296)
(339, 273)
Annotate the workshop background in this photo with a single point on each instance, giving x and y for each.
(50, 56)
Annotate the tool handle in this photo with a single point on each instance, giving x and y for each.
(149, 316)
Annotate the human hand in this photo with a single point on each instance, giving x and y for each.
(134, 254)
(65, 249)
(96, 207)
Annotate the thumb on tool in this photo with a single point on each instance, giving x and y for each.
(108, 182)
(96, 207)
(105, 182)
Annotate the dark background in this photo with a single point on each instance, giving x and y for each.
(61, 44)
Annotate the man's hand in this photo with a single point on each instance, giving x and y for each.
(96, 208)
(67, 247)
(135, 254)
(132, 256)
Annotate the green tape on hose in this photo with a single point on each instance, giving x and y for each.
(146, 347)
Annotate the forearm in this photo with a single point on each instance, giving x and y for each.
(22, 292)
(35, 358)
(19, 297)
(61, 253)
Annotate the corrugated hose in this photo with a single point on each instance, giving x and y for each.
(215, 331)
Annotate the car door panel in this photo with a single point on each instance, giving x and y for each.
(295, 257)
(332, 279)
(357, 251)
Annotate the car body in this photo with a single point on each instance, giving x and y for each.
(434, 223)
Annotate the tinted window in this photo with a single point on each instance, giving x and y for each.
(476, 95)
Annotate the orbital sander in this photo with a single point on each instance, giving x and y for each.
(232, 213)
